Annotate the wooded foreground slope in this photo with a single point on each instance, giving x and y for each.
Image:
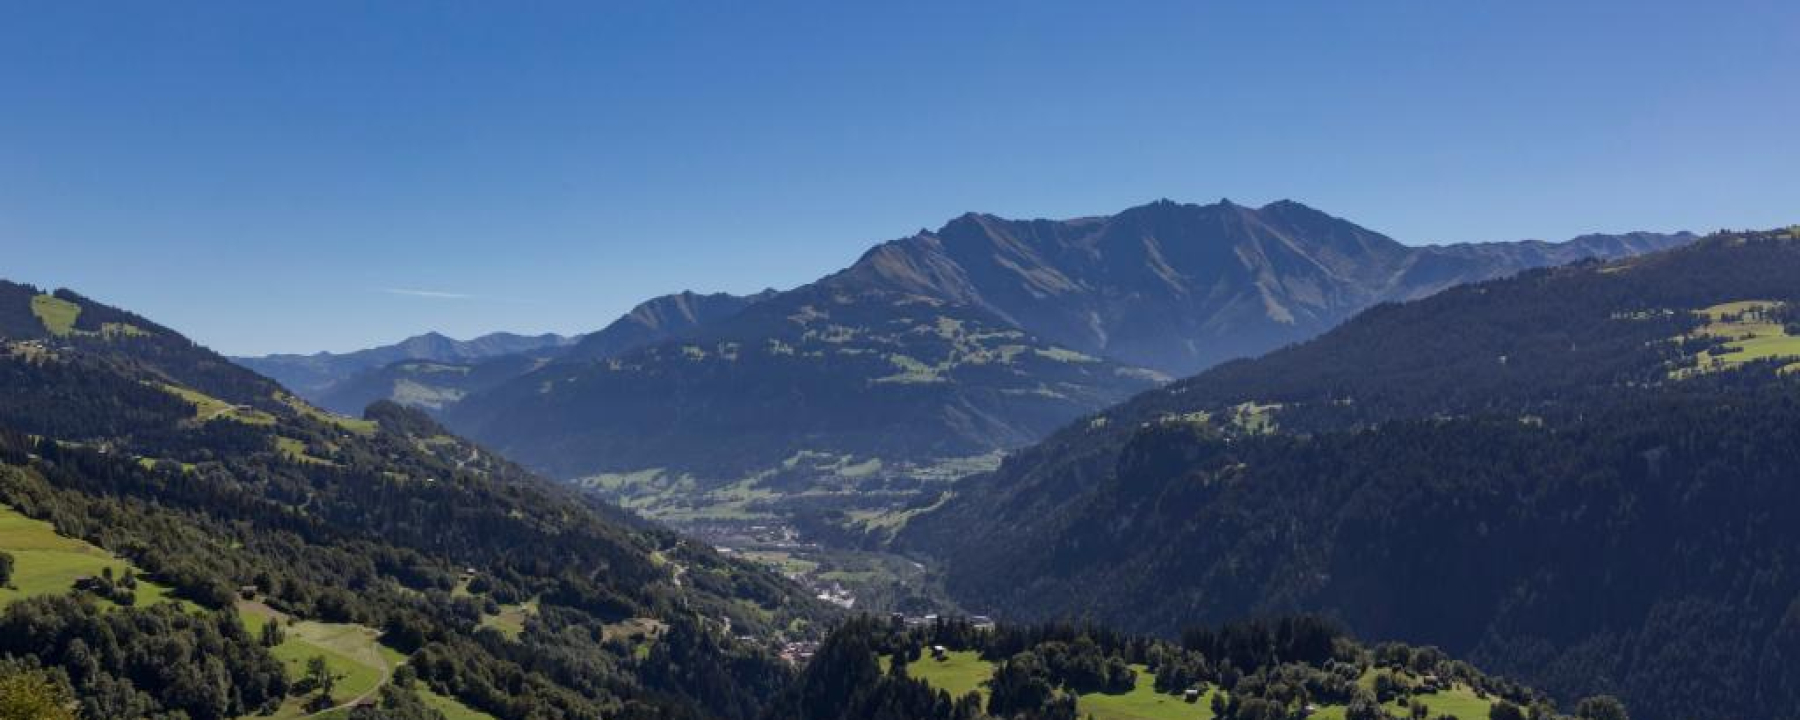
(214, 481)
(1578, 477)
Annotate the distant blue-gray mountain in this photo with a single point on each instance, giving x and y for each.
(432, 372)
(312, 375)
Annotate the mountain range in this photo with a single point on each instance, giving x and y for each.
(922, 360)
(1178, 288)
(433, 372)
(932, 353)
(315, 375)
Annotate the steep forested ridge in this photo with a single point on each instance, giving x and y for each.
(215, 482)
(1576, 476)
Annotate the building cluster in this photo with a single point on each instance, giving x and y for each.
(981, 622)
(837, 595)
(799, 652)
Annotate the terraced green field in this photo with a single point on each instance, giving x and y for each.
(46, 563)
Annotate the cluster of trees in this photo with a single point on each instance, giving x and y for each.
(139, 662)
(6, 568)
(120, 589)
(29, 693)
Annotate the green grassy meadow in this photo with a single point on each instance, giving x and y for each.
(347, 424)
(449, 706)
(296, 450)
(960, 673)
(208, 408)
(1144, 703)
(57, 315)
(46, 563)
(354, 654)
(510, 621)
(1748, 334)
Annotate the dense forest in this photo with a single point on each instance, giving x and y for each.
(247, 503)
(1575, 477)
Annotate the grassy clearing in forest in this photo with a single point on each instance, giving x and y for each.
(57, 315)
(1749, 332)
(353, 653)
(45, 563)
(510, 621)
(208, 408)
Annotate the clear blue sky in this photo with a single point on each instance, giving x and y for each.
(271, 176)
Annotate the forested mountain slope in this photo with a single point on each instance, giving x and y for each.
(1574, 477)
(516, 597)
(820, 369)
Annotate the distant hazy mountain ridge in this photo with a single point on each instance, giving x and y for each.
(432, 372)
(310, 375)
